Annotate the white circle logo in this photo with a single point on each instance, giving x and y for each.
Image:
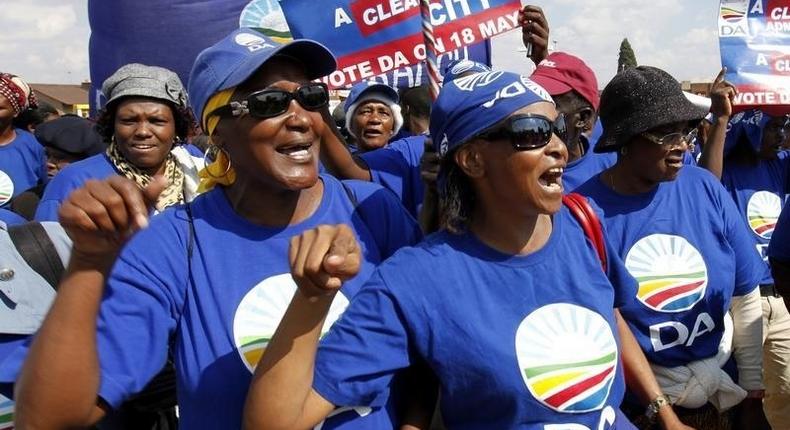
(671, 273)
(260, 312)
(763, 211)
(567, 356)
(6, 188)
(266, 16)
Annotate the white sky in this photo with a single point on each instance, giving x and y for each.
(46, 41)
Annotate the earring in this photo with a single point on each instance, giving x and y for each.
(623, 150)
(212, 156)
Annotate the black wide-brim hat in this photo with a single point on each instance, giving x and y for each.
(640, 99)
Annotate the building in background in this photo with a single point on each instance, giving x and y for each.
(64, 97)
(698, 88)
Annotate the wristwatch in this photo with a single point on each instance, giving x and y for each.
(657, 403)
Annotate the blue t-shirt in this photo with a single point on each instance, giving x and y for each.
(396, 167)
(69, 179)
(759, 193)
(220, 310)
(687, 275)
(23, 165)
(779, 248)
(585, 167)
(11, 218)
(515, 341)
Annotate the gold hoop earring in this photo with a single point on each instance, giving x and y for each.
(215, 150)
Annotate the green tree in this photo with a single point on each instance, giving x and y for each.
(626, 59)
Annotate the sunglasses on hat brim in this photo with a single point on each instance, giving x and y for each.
(528, 131)
(273, 102)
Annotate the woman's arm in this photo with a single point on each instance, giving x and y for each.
(336, 156)
(59, 382)
(640, 377)
(281, 394)
(722, 95)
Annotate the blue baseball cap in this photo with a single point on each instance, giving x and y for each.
(458, 67)
(472, 104)
(238, 55)
(369, 90)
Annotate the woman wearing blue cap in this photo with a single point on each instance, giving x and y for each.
(514, 342)
(681, 237)
(209, 280)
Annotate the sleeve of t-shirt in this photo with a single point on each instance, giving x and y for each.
(140, 309)
(749, 267)
(363, 350)
(387, 220)
(54, 194)
(625, 286)
(779, 247)
(396, 167)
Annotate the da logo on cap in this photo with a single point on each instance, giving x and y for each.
(469, 83)
(763, 211)
(567, 355)
(6, 188)
(260, 312)
(251, 42)
(671, 273)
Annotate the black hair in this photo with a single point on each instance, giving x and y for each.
(416, 102)
(34, 116)
(184, 120)
(458, 199)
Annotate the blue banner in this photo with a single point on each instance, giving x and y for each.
(372, 37)
(170, 33)
(754, 39)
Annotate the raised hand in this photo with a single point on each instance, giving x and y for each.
(102, 215)
(722, 95)
(323, 258)
(535, 31)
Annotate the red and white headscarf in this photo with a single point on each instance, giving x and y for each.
(17, 92)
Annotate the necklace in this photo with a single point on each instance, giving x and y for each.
(611, 180)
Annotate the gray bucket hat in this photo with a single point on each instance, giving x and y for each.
(640, 99)
(145, 81)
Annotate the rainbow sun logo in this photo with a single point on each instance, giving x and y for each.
(671, 273)
(763, 211)
(568, 357)
(266, 16)
(731, 13)
(6, 188)
(260, 312)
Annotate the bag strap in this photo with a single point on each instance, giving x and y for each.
(36, 248)
(585, 215)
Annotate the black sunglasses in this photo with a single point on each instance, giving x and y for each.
(272, 102)
(529, 131)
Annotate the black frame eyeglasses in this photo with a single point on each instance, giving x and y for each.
(273, 102)
(529, 131)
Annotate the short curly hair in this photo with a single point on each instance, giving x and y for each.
(184, 120)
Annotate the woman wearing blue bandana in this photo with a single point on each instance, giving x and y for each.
(681, 237)
(208, 281)
(514, 342)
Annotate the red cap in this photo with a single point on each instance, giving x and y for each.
(561, 72)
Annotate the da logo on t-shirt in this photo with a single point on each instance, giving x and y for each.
(260, 312)
(763, 211)
(6, 413)
(671, 273)
(567, 355)
(6, 188)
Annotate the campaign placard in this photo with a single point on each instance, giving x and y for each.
(372, 37)
(754, 37)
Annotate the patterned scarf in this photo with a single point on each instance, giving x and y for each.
(17, 92)
(172, 195)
